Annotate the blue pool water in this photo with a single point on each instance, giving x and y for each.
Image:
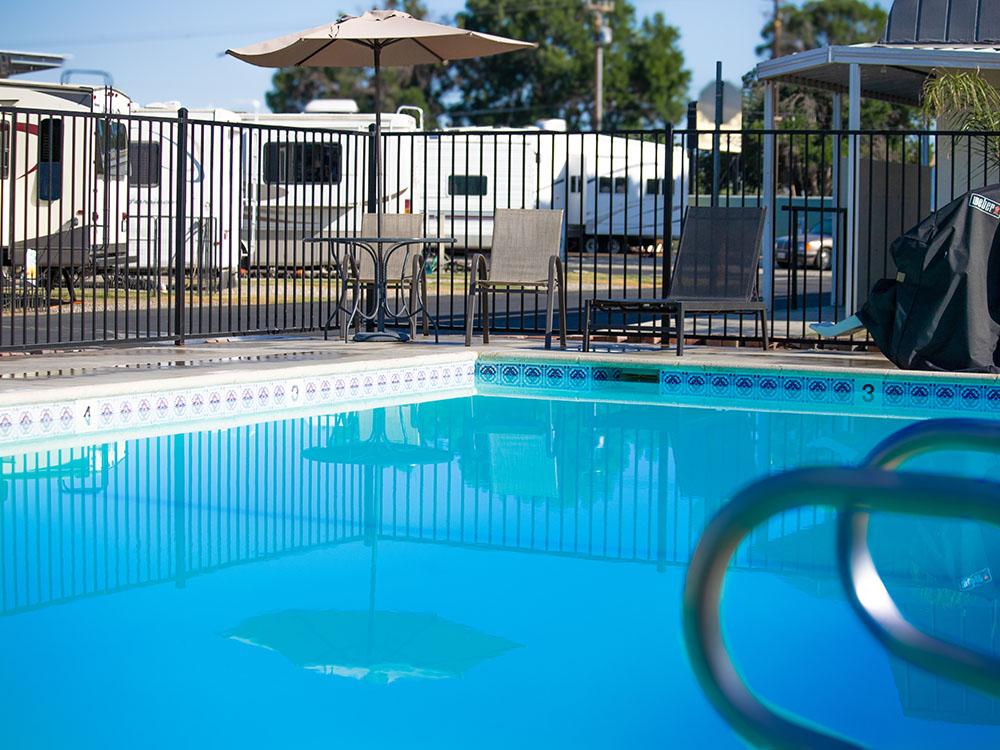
(476, 572)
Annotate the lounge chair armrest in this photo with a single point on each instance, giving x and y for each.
(418, 267)
(557, 273)
(478, 271)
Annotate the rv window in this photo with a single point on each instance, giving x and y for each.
(50, 148)
(604, 185)
(653, 186)
(467, 184)
(50, 141)
(4, 149)
(575, 183)
(112, 144)
(144, 164)
(302, 163)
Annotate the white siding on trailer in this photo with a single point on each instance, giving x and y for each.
(66, 191)
(279, 216)
(284, 208)
(470, 175)
(213, 200)
(551, 170)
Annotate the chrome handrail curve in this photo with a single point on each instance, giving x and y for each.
(862, 583)
(861, 489)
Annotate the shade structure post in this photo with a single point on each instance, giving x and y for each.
(853, 164)
(837, 123)
(766, 254)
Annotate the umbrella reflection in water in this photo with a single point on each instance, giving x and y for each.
(376, 646)
(373, 646)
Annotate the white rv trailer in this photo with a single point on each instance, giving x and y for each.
(307, 175)
(618, 199)
(612, 188)
(471, 173)
(213, 199)
(63, 174)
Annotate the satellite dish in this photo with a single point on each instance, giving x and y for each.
(732, 102)
(732, 116)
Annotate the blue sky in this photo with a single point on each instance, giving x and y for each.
(159, 51)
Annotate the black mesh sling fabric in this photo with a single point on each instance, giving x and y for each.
(718, 256)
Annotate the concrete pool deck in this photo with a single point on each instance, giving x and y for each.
(25, 378)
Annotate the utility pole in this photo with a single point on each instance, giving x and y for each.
(602, 38)
(776, 37)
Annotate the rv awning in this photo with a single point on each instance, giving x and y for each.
(890, 72)
(14, 63)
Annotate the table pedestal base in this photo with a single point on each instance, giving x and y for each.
(381, 336)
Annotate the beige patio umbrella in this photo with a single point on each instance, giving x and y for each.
(374, 39)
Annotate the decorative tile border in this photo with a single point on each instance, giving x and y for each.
(868, 392)
(548, 375)
(771, 387)
(882, 393)
(91, 415)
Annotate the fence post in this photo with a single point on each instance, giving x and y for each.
(717, 135)
(180, 223)
(769, 179)
(668, 212)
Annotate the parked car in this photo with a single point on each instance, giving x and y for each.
(814, 248)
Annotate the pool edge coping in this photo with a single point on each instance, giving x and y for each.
(85, 408)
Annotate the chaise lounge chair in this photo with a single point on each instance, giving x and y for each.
(715, 271)
(525, 256)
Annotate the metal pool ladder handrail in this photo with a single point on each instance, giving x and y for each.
(858, 490)
(860, 577)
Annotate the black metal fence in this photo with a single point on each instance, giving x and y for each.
(126, 228)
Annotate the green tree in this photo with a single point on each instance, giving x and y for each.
(293, 88)
(644, 76)
(658, 81)
(819, 23)
(966, 101)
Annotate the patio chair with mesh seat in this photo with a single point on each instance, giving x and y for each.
(405, 267)
(715, 271)
(524, 257)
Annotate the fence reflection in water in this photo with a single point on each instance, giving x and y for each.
(586, 480)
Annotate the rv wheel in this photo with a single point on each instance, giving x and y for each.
(615, 245)
(591, 245)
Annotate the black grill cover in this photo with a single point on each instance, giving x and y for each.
(942, 311)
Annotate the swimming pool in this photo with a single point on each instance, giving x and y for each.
(468, 571)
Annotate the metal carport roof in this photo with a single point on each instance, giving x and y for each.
(890, 72)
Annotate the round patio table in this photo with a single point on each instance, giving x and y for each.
(375, 247)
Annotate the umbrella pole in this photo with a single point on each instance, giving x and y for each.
(378, 139)
(382, 293)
